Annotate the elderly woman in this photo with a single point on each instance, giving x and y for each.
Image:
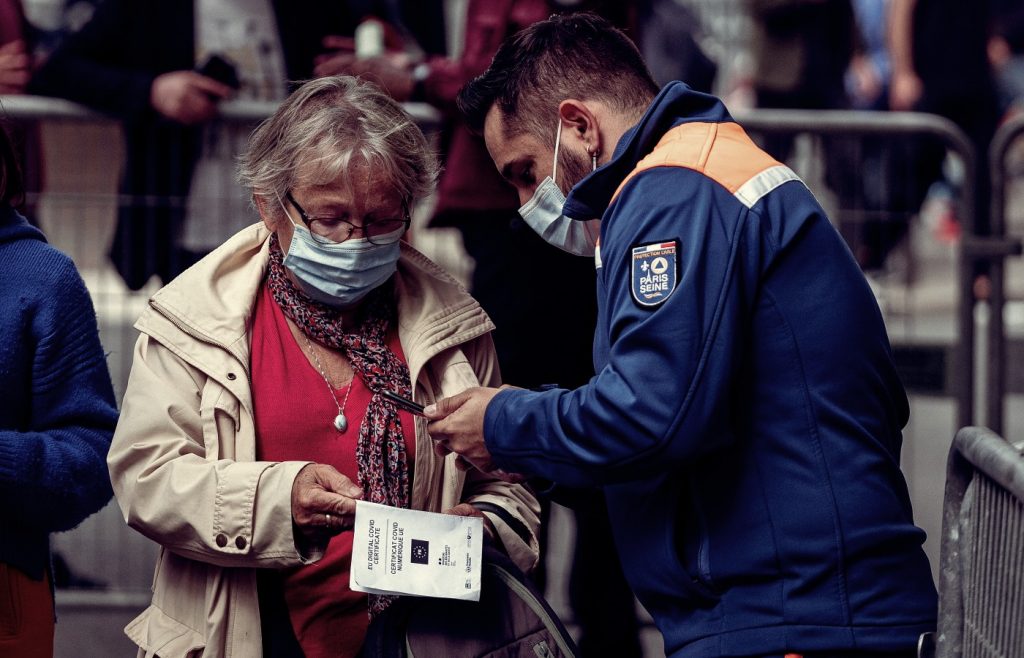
(254, 416)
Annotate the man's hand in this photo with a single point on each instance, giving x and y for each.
(323, 501)
(187, 97)
(457, 425)
(14, 67)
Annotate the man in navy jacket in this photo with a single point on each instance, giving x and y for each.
(745, 419)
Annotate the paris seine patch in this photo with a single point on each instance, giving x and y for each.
(654, 272)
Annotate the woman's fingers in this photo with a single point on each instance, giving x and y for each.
(324, 500)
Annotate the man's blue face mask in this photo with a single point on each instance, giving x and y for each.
(543, 213)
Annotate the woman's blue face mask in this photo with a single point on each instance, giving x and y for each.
(340, 274)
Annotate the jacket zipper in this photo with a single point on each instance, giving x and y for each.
(703, 548)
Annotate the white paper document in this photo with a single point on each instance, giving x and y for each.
(402, 551)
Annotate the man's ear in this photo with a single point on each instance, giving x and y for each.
(580, 123)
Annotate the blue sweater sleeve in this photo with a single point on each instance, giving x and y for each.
(53, 470)
(662, 395)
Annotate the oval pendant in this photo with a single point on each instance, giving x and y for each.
(340, 423)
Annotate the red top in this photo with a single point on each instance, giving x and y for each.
(295, 422)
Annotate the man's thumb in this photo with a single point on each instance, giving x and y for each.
(446, 406)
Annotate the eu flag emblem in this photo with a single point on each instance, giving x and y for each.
(420, 551)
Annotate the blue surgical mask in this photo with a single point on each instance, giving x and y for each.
(340, 274)
(543, 213)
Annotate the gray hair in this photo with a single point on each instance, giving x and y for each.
(325, 127)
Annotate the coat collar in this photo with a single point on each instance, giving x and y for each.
(213, 302)
(676, 103)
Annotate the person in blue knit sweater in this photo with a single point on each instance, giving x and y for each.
(57, 416)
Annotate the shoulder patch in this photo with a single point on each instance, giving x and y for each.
(654, 272)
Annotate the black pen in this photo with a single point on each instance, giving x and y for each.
(403, 403)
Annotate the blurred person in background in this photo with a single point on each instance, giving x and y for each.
(940, 65)
(162, 68)
(254, 415)
(746, 434)
(554, 288)
(872, 175)
(802, 49)
(816, 55)
(57, 415)
(1006, 54)
(869, 73)
(15, 62)
(669, 37)
(16, 65)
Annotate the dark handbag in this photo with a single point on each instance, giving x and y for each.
(511, 620)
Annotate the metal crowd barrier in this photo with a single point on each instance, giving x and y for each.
(996, 249)
(941, 362)
(41, 108)
(981, 587)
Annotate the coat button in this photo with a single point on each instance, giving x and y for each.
(222, 540)
(240, 542)
(232, 376)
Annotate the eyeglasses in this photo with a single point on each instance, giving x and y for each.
(328, 230)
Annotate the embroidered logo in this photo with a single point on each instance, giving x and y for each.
(655, 272)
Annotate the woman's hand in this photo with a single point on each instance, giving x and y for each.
(465, 509)
(323, 501)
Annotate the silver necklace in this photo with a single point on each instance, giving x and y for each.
(340, 421)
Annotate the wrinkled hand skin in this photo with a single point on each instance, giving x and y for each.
(320, 490)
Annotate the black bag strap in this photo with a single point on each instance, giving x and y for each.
(517, 526)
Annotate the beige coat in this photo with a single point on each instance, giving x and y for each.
(183, 460)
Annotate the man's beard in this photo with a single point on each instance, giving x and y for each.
(574, 168)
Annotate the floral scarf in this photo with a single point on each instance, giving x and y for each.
(380, 451)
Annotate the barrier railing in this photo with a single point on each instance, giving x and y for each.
(840, 123)
(996, 249)
(982, 570)
(40, 108)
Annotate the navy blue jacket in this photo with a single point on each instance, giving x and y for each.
(57, 409)
(746, 416)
